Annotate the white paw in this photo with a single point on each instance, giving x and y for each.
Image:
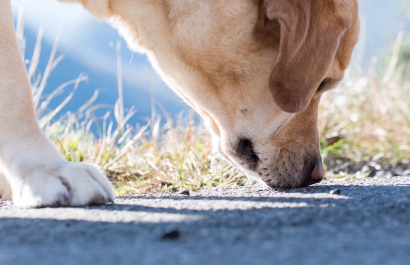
(65, 184)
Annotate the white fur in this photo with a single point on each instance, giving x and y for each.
(36, 171)
(40, 176)
(71, 184)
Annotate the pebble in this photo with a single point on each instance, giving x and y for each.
(335, 192)
(185, 192)
(171, 235)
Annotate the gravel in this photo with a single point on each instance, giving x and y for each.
(368, 223)
(335, 192)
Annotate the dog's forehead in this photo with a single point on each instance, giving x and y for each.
(190, 25)
(178, 8)
(212, 21)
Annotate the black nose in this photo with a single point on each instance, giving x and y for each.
(246, 152)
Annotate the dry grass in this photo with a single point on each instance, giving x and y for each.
(369, 114)
(365, 119)
(163, 153)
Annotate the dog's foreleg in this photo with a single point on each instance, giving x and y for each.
(38, 174)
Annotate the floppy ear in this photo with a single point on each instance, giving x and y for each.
(310, 33)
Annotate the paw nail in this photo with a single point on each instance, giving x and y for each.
(99, 200)
(63, 200)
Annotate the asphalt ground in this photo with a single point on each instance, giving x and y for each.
(367, 223)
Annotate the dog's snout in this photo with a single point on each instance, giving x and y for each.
(246, 152)
(318, 172)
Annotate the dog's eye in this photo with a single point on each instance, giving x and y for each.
(326, 83)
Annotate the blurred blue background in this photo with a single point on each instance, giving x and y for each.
(89, 47)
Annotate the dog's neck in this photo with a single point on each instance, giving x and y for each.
(207, 52)
(98, 8)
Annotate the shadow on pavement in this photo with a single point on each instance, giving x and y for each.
(304, 225)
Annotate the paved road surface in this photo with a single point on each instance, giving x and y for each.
(368, 223)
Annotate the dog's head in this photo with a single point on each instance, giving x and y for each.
(253, 69)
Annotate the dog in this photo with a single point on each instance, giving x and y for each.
(253, 69)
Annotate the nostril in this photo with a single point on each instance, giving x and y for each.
(318, 172)
(246, 151)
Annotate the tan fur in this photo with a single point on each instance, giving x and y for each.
(5, 191)
(253, 69)
(219, 56)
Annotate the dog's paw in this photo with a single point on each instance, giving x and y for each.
(65, 184)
